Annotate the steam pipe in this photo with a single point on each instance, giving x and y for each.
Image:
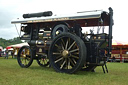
(110, 31)
(40, 14)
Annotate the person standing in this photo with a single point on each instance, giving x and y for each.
(12, 53)
(6, 53)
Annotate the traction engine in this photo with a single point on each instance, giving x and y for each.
(59, 41)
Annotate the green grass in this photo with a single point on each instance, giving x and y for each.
(12, 74)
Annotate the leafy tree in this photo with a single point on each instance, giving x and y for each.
(4, 43)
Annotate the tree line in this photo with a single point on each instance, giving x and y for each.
(4, 43)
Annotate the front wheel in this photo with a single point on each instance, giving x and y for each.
(67, 53)
(25, 57)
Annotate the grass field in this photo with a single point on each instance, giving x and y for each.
(12, 74)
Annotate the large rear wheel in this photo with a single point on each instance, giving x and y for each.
(67, 53)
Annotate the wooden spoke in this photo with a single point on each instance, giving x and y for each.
(22, 60)
(74, 50)
(54, 53)
(69, 65)
(71, 45)
(63, 42)
(77, 53)
(59, 59)
(74, 60)
(58, 46)
(42, 61)
(63, 64)
(74, 46)
(46, 60)
(25, 57)
(75, 56)
(25, 62)
(62, 46)
(71, 62)
(24, 51)
(66, 44)
(59, 56)
(28, 58)
(66, 63)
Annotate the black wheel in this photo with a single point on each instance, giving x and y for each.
(58, 29)
(67, 53)
(25, 57)
(42, 60)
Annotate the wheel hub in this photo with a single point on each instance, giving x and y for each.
(24, 56)
(65, 53)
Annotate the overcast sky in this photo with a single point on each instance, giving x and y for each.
(12, 9)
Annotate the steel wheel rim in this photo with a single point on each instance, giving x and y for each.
(25, 56)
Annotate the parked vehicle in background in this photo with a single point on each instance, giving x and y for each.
(1, 48)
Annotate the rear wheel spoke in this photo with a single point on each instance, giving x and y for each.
(71, 62)
(59, 47)
(68, 64)
(62, 46)
(75, 56)
(76, 53)
(63, 43)
(55, 53)
(74, 61)
(74, 50)
(59, 59)
(71, 45)
(66, 44)
(63, 64)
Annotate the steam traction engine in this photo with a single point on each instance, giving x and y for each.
(58, 41)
